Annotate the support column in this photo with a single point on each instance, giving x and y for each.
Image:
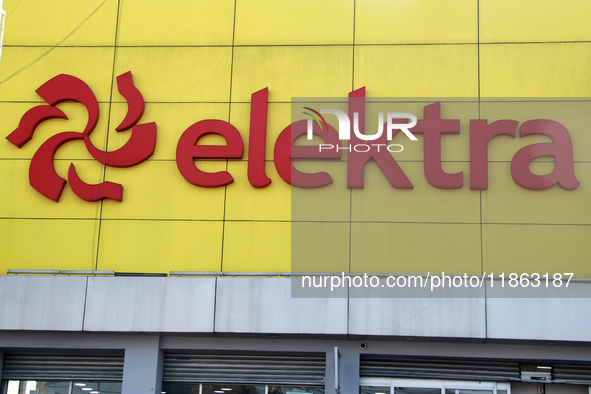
(349, 369)
(142, 368)
(329, 374)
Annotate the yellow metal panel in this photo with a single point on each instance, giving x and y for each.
(415, 248)
(536, 248)
(160, 246)
(320, 247)
(157, 190)
(534, 21)
(19, 200)
(165, 223)
(535, 70)
(415, 22)
(417, 70)
(172, 119)
(379, 202)
(25, 69)
(292, 72)
(61, 22)
(48, 244)
(245, 202)
(292, 22)
(177, 74)
(506, 202)
(186, 22)
(257, 246)
(77, 118)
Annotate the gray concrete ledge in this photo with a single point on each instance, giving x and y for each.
(265, 305)
(261, 306)
(134, 304)
(53, 303)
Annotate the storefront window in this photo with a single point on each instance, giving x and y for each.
(34, 387)
(197, 388)
(67, 387)
(464, 391)
(374, 390)
(194, 388)
(181, 388)
(96, 387)
(294, 390)
(231, 389)
(430, 386)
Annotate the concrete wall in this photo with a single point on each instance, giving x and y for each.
(262, 306)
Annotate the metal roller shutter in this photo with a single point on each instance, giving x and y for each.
(62, 367)
(262, 369)
(572, 373)
(433, 368)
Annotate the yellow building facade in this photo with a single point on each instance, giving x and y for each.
(198, 60)
(194, 61)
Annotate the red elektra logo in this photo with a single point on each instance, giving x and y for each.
(432, 127)
(42, 174)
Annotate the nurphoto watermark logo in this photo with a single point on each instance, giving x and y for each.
(395, 121)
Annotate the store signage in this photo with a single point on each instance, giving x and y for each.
(142, 141)
(42, 174)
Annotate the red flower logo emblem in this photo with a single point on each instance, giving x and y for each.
(42, 174)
